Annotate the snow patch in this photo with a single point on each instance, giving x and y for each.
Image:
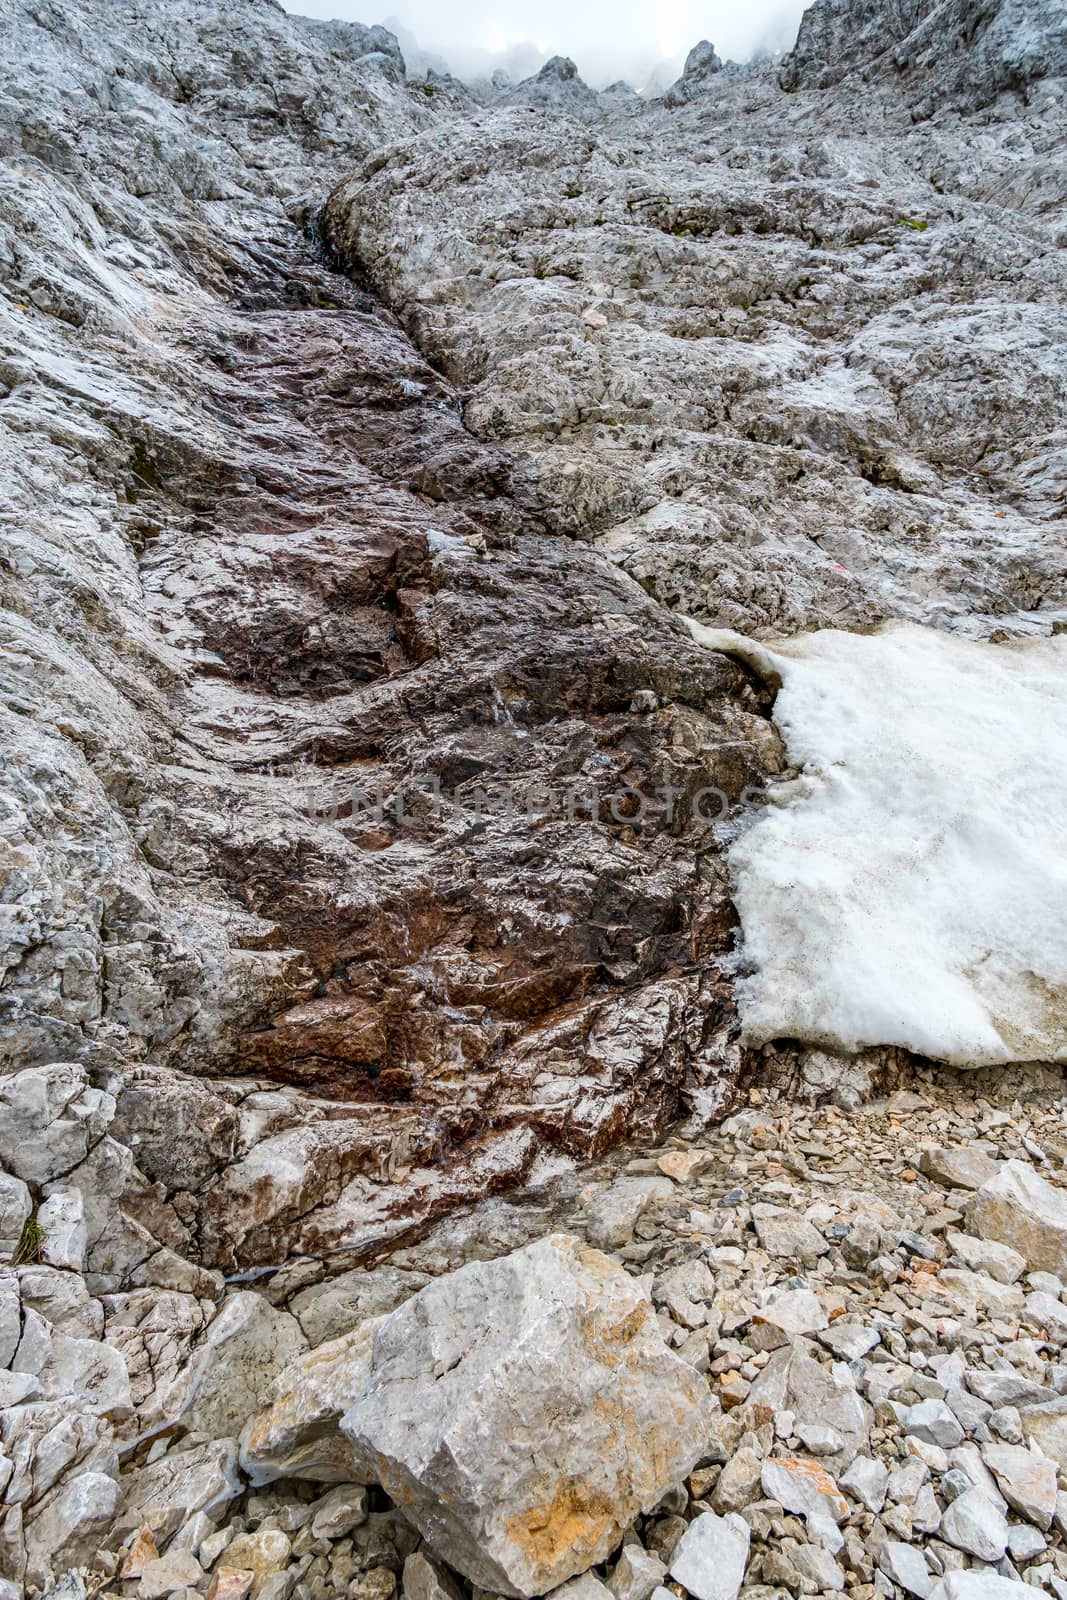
(910, 886)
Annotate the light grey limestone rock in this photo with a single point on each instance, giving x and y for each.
(333, 1308)
(975, 1525)
(61, 1219)
(1044, 1423)
(244, 1349)
(975, 1293)
(905, 1565)
(554, 1353)
(1045, 1283)
(794, 1381)
(967, 1460)
(35, 1344)
(297, 1435)
(711, 1556)
(422, 1580)
(636, 1574)
(556, 87)
(867, 1479)
(787, 1235)
(925, 1511)
(1026, 1479)
(174, 1571)
(70, 1525)
(616, 1210)
(961, 1168)
(933, 1422)
(339, 1511)
(18, 1387)
(698, 75)
(1004, 1386)
(953, 53)
(1020, 1208)
(202, 1477)
(15, 1207)
(264, 1551)
(849, 1341)
(816, 1565)
(978, 1584)
(1049, 1313)
(89, 1374)
(1025, 1542)
(803, 1486)
(62, 1299)
(691, 1280)
(739, 1481)
(906, 1479)
(10, 1317)
(793, 1312)
(156, 1330)
(819, 1440)
(998, 1261)
(50, 1118)
(586, 1586)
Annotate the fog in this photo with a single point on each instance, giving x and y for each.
(645, 43)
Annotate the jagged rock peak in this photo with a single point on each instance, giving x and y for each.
(701, 64)
(561, 67)
(963, 51)
(557, 87)
(356, 42)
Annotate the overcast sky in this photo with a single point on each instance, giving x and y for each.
(608, 39)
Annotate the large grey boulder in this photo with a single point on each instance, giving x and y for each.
(50, 1118)
(1017, 1207)
(522, 1411)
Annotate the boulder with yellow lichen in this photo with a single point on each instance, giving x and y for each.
(521, 1412)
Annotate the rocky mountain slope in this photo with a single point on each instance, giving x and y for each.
(372, 822)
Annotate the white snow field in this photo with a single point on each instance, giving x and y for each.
(910, 886)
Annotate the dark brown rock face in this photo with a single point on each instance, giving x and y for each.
(494, 768)
(359, 831)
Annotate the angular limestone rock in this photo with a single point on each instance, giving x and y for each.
(61, 1219)
(525, 1411)
(246, 1346)
(712, 1555)
(522, 1412)
(957, 1169)
(1018, 1208)
(793, 1381)
(803, 1486)
(203, 1478)
(1026, 1480)
(297, 1436)
(1045, 1424)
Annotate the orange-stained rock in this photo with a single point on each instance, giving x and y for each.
(142, 1549)
(522, 1411)
(230, 1583)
